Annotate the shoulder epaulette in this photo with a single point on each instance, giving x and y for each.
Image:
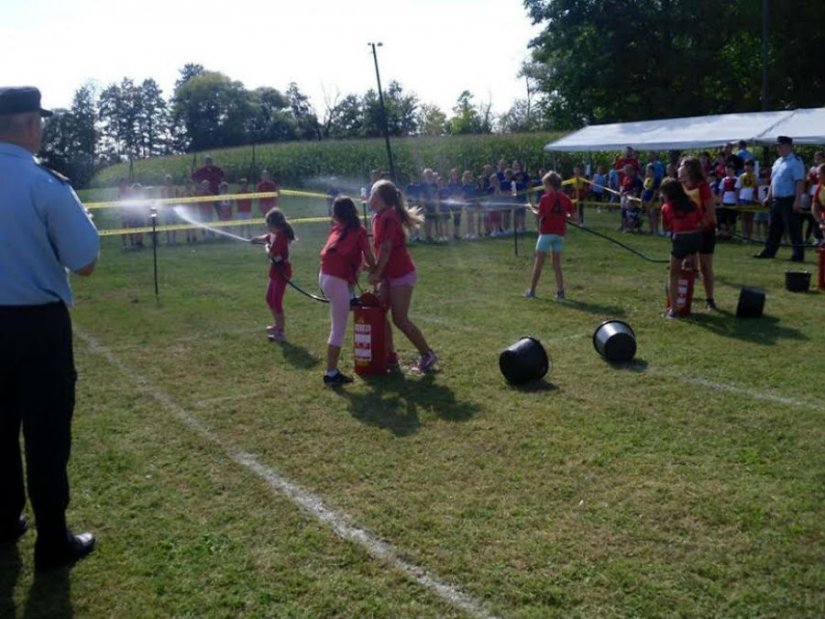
(63, 179)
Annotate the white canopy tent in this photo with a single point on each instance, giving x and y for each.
(804, 126)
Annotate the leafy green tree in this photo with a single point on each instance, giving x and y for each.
(213, 110)
(271, 118)
(308, 127)
(606, 60)
(469, 118)
(346, 118)
(69, 142)
(119, 108)
(431, 120)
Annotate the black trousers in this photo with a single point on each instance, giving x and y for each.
(784, 218)
(37, 392)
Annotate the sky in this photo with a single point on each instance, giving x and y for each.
(433, 48)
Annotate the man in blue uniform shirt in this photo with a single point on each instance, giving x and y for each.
(44, 233)
(785, 200)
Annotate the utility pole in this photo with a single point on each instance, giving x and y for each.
(383, 109)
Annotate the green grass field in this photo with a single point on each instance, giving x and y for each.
(223, 480)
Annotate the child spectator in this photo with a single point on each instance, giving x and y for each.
(630, 192)
(277, 242)
(267, 185)
(649, 187)
(811, 183)
(746, 185)
(728, 197)
(599, 184)
(818, 202)
(224, 206)
(613, 182)
(555, 208)
(579, 190)
(762, 217)
(244, 208)
(204, 208)
(469, 195)
(454, 193)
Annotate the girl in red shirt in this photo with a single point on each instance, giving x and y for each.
(395, 272)
(683, 219)
(693, 180)
(555, 208)
(277, 243)
(346, 247)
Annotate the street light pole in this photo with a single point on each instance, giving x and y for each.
(383, 109)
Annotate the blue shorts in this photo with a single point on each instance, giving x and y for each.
(547, 242)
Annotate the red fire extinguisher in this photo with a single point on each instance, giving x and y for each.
(821, 279)
(369, 336)
(684, 290)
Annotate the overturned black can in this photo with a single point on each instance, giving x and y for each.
(751, 302)
(615, 341)
(797, 281)
(523, 361)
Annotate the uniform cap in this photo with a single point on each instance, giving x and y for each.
(784, 139)
(20, 99)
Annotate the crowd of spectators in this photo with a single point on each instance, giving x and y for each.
(493, 201)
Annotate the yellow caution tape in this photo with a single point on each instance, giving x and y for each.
(149, 201)
(206, 226)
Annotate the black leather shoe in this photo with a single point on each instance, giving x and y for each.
(77, 547)
(797, 259)
(762, 254)
(9, 536)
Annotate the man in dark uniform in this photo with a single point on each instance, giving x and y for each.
(44, 233)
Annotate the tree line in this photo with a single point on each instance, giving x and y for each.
(131, 121)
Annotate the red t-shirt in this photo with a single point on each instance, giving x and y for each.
(387, 225)
(342, 254)
(279, 246)
(554, 209)
(700, 194)
(212, 173)
(244, 206)
(679, 221)
(267, 203)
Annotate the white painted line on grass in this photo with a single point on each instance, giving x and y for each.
(758, 395)
(338, 521)
(235, 397)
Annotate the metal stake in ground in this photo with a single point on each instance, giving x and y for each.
(153, 214)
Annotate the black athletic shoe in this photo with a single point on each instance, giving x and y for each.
(711, 304)
(762, 254)
(337, 379)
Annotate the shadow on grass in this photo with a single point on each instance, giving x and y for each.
(299, 357)
(534, 386)
(50, 596)
(634, 365)
(10, 566)
(613, 311)
(393, 402)
(766, 330)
